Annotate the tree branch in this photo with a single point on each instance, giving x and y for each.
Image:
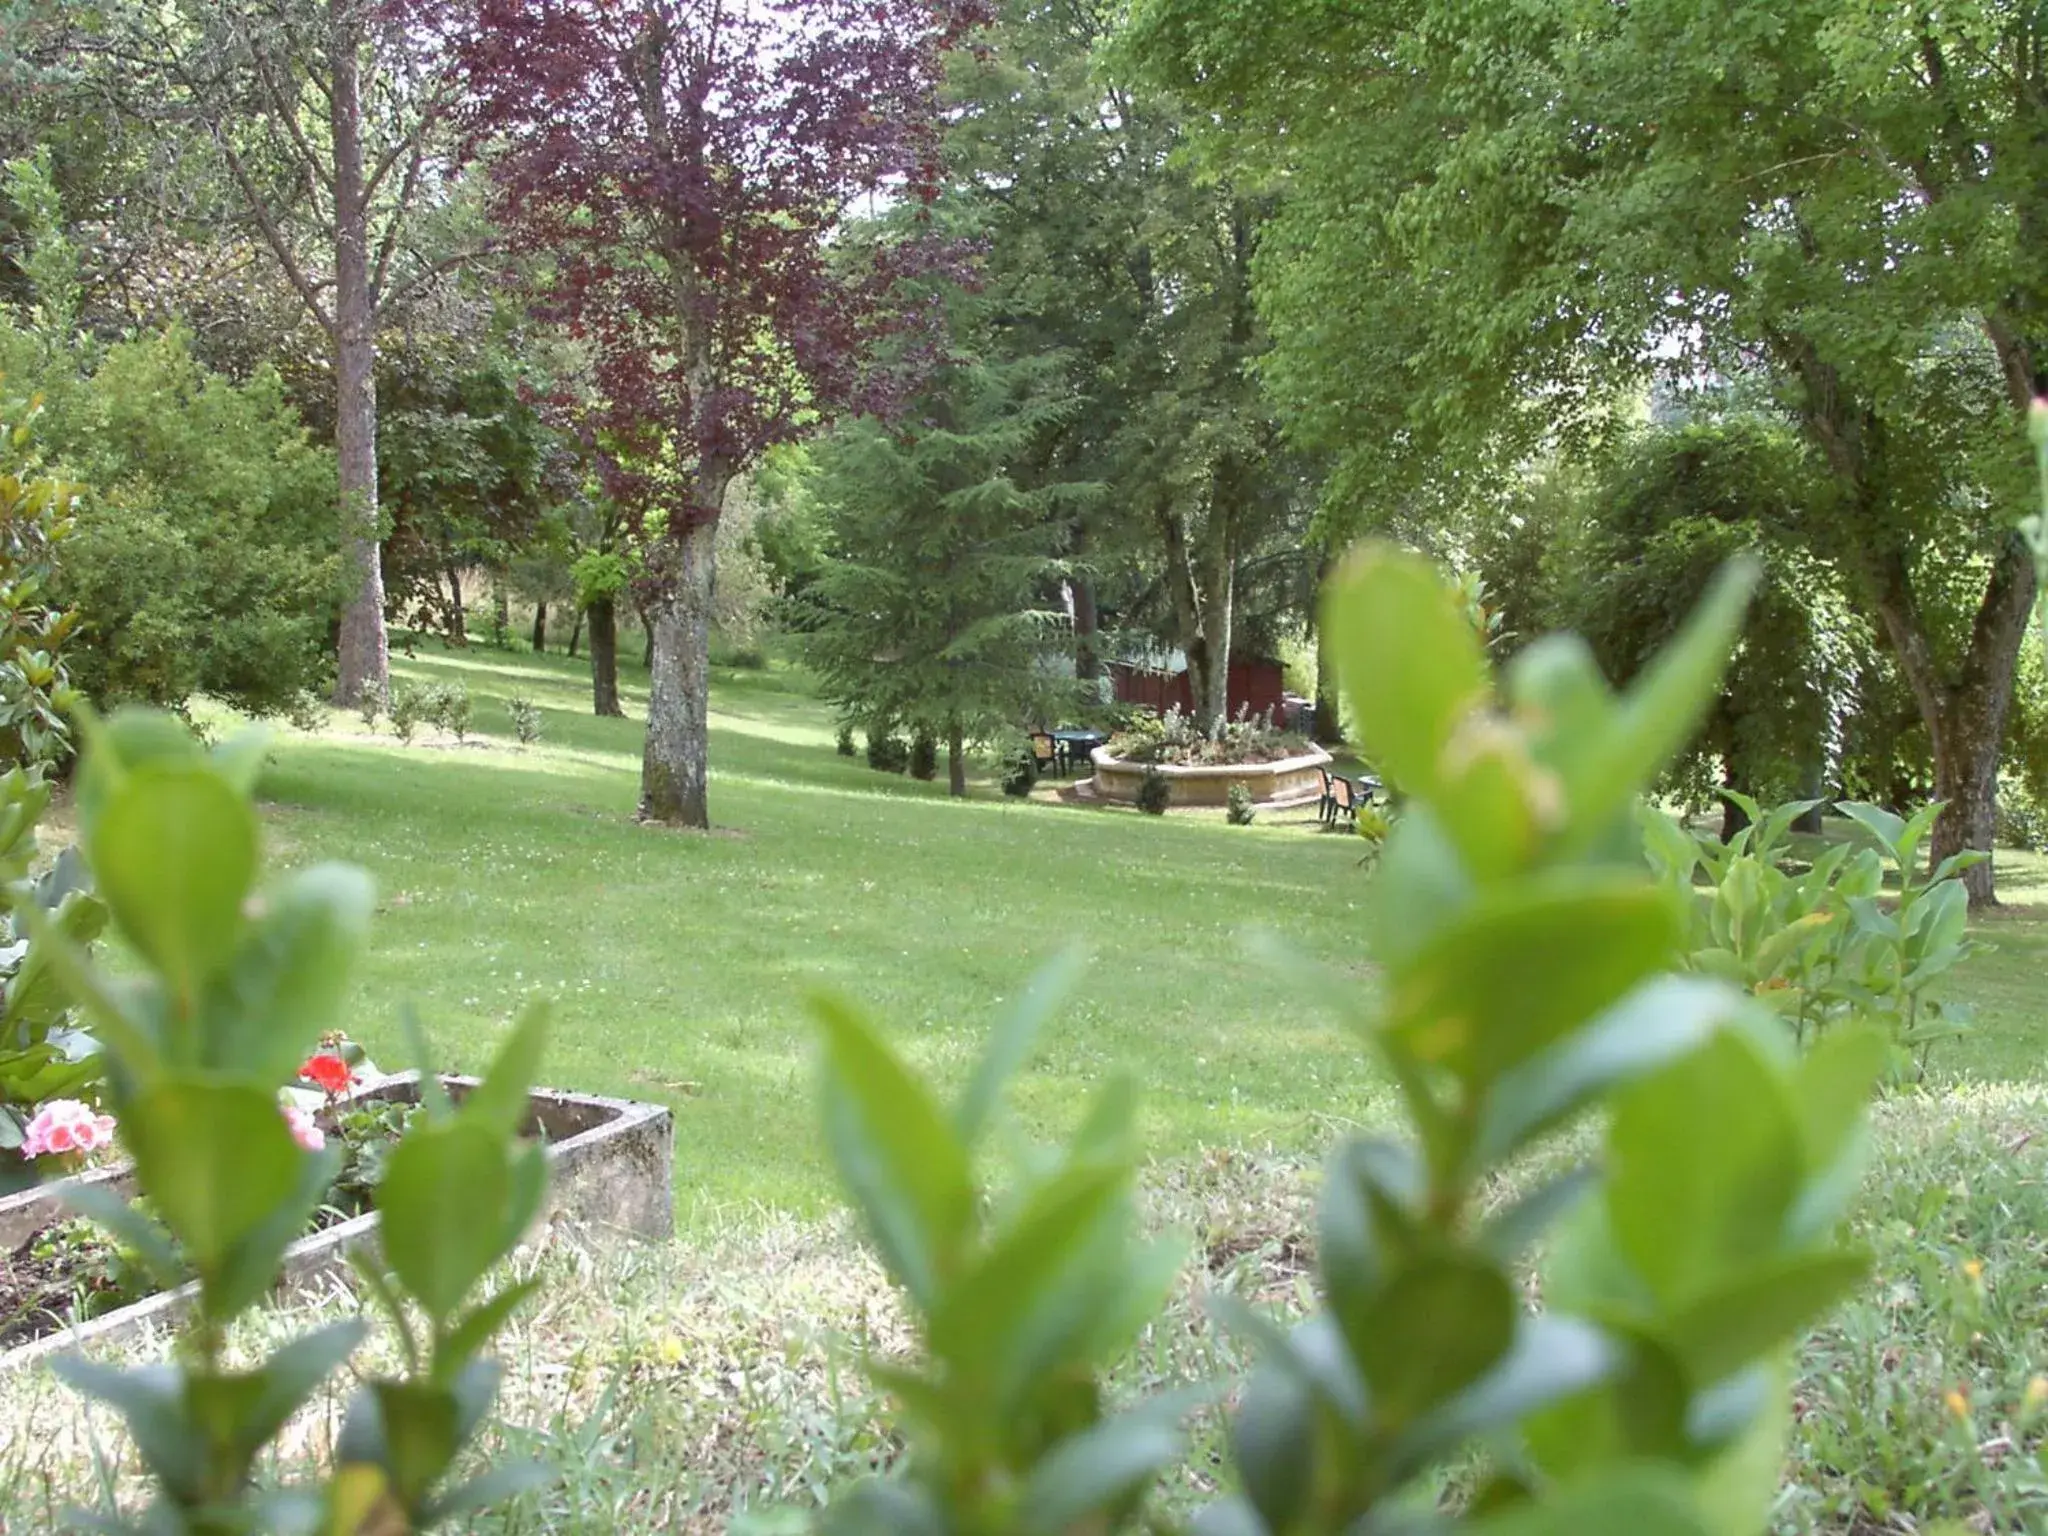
(428, 273)
(309, 293)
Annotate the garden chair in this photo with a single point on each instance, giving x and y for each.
(1326, 808)
(1343, 799)
(1045, 751)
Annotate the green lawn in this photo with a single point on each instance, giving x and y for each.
(681, 962)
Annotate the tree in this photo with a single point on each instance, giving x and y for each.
(1107, 244)
(331, 120)
(685, 162)
(929, 609)
(1499, 218)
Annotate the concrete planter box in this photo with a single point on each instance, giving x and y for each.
(611, 1166)
(1279, 785)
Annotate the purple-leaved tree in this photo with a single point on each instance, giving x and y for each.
(682, 167)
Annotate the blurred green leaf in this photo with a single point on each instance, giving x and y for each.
(1730, 1326)
(291, 973)
(1384, 603)
(499, 1103)
(1011, 1042)
(899, 1156)
(1103, 1467)
(443, 1197)
(174, 851)
(1440, 1324)
(214, 1157)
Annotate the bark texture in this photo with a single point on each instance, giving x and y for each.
(364, 660)
(956, 761)
(604, 657)
(674, 771)
(540, 626)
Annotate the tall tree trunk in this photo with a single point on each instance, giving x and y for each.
(1218, 616)
(575, 633)
(956, 760)
(674, 771)
(1329, 730)
(540, 626)
(1087, 616)
(1964, 713)
(458, 613)
(646, 637)
(1186, 602)
(501, 609)
(363, 662)
(604, 657)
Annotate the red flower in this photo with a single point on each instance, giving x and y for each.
(328, 1073)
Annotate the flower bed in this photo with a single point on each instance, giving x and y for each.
(611, 1166)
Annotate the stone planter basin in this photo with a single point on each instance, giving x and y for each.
(1281, 785)
(611, 1167)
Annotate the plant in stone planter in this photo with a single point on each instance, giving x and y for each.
(45, 1056)
(1155, 793)
(1238, 808)
(236, 985)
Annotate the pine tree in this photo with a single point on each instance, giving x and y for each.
(931, 607)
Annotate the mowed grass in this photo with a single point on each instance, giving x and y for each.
(681, 962)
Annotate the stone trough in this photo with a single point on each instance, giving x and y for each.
(1281, 785)
(611, 1167)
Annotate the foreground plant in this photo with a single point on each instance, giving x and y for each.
(236, 986)
(1023, 1297)
(1522, 946)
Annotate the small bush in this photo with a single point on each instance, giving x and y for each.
(1155, 793)
(1239, 812)
(525, 718)
(845, 741)
(409, 708)
(306, 711)
(924, 755)
(1021, 776)
(887, 752)
(450, 707)
(370, 705)
(2022, 820)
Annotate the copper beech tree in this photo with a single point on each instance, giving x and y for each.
(681, 168)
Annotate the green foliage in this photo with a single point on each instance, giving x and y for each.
(1155, 792)
(887, 752)
(1023, 1293)
(372, 704)
(203, 561)
(236, 986)
(36, 526)
(1020, 773)
(1175, 738)
(449, 706)
(1239, 811)
(924, 754)
(842, 740)
(930, 604)
(411, 706)
(526, 718)
(44, 1052)
(1820, 946)
(1522, 946)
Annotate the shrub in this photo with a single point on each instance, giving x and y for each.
(924, 755)
(1155, 792)
(1814, 943)
(410, 708)
(887, 752)
(306, 711)
(1522, 950)
(449, 706)
(35, 525)
(371, 703)
(229, 1185)
(1239, 811)
(843, 743)
(2022, 820)
(526, 718)
(205, 560)
(1020, 776)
